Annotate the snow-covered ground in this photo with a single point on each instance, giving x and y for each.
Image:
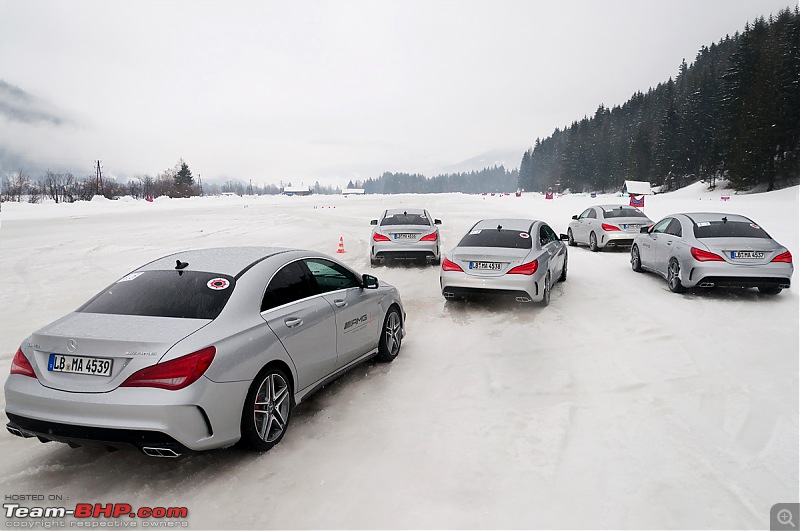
(621, 405)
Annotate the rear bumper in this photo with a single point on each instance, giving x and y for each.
(744, 282)
(456, 285)
(458, 293)
(406, 255)
(723, 274)
(404, 250)
(203, 416)
(616, 238)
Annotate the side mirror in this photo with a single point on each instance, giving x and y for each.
(563, 237)
(373, 222)
(437, 221)
(645, 230)
(369, 282)
(575, 216)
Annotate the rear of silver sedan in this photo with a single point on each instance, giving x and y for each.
(409, 234)
(474, 272)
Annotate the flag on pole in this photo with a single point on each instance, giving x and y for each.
(637, 202)
(548, 195)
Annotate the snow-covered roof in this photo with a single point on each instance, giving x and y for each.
(350, 191)
(638, 187)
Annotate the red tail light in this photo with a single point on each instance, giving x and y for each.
(21, 365)
(705, 256)
(380, 238)
(432, 237)
(447, 265)
(783, 257)
(175, 374)
(524, 269)
(609, 228)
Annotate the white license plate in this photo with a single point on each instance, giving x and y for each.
(631, 227)
(403, 236)
(493, 266)
(747, 254)
(80, 365)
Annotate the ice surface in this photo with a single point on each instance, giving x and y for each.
(621, 405)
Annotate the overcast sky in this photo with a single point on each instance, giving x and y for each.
(329, 91)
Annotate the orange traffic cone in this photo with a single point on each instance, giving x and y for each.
(341, 246)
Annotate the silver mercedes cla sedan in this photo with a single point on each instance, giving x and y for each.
(712, 250)
(405, 234)
(199, 350)
(517, 259)
(602, 226)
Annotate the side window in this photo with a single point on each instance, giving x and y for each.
(585, 213)
(330, 276)
(289, 284)
(674, 228)
(662, 225)
(543, 239)
(551, 235)
(592, 214)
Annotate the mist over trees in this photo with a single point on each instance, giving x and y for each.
(494, 179)
(733, 113)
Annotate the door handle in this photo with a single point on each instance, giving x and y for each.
(669, 243)
(292, 322)
(340, 303)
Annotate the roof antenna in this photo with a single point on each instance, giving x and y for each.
(405, 213)
(181, 265)
(724, 219)
(499, 227)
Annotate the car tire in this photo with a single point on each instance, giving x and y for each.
(769, 290)
(374, 262)
(546, 290)
(267, 410)
(593, 243)
(436, 261)
(571, 239)
(563, 276)
(636, 259)
(674, 277)
(390, 339)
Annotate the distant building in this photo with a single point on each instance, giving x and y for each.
(353, 191)
(293, 190)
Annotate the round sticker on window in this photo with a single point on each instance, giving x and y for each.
(218, 283)
(524, 235)
(754, 226)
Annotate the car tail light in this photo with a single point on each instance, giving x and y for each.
(609, 228)
(705, 256)
(447, 265)
(174, 374)
(432, 237)
(783, 257)
(21, 365)
(380, 238)
(524, 269)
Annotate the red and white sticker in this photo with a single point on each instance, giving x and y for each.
(524, 235)
(218, 283)
(754, 226)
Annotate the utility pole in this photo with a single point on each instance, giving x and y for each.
(99, 180)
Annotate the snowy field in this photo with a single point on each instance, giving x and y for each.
(621, 405)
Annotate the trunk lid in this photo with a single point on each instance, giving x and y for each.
(128, 342)
(506, 257)
(726, 247)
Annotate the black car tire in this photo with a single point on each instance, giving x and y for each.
(277, 408)
(390, 339)
(593, 243)
(546, 292)
(570, 238)
(769, 290)
(563, 276)
(673, 277)
(636, 259)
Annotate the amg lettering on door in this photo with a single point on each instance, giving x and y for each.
(353, 324)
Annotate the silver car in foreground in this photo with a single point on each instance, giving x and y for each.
(405, 234)
(602, 226)
(517, 259)
(200, 349)
(713, 250)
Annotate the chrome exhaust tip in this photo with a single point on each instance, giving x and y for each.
(706, 284)
(160, 452)
(448, 295)
(15, 431)
(523, 299)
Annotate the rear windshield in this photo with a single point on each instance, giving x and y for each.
(623, 212)
(405, 219)
(183, 294)
(730, 229)
(512, 239)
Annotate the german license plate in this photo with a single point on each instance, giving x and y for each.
(404, 236)
(631, 227)
(80, 365)
(492, 266)
(747, 254)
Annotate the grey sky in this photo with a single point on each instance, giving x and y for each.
(330, 91)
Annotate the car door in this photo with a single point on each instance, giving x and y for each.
(555, 249)
(667, 243)
(304, 322)
(584, 225)
(649, 245)
(356, 311)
